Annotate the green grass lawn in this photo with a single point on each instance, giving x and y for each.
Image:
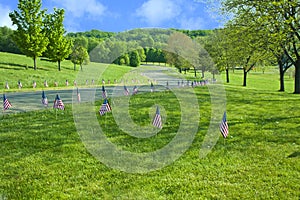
(43, 157)
(14, 67)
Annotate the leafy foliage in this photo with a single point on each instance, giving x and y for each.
(59, 46)
(29, 36)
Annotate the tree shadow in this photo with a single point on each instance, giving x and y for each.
(295, 154)
(15, 66)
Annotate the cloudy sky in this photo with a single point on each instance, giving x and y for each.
(122, 15)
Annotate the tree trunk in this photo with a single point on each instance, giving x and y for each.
(74, 67)
(227, 75)
(58, 62)
(81, 67)
(297, 77)
(245, 78)
(281, 74)
(34, 63)
(202, 71)
(195, 72)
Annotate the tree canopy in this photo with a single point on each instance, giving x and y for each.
(59, 47)
(273, 25)
(30, 36)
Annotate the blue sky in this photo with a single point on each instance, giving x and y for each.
(122, 15)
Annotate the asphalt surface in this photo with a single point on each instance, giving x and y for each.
(162, 78)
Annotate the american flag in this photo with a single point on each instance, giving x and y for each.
(135, 90)
(44, 99)
(58, 103)
(224, 126)
(126, 91)
(105, 107)
(104, 95)
(157, 119)
(78, 95)
(6, 103)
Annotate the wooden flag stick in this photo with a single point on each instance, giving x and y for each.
(105, 120)
(56, 113)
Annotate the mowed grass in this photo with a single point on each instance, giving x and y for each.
(42, 157)
(14, 68)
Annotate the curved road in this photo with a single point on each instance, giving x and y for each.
(29, 101)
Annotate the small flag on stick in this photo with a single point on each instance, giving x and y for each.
(104, 95)
(58, 103)
(44, 99)
(78, 96)
(6, 103)
(126, 91)
(105, 107)
(157, 119)
(135, 90)
(224, 126)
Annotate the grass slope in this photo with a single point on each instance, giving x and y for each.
(44, 158)
(14, 67)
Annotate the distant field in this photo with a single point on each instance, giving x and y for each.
(256, 79)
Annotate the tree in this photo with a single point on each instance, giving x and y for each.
(218, 47)
(141, 53)
(134, 58)
(92, 43)
(81, 41)
(180, 51)
(6, 42)
(246, 42)
(279, 20)
(79, 56)
(29, 36)
(59, 47)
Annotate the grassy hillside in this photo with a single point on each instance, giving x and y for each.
(43, 157)
(14, 67)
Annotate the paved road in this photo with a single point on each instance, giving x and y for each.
(29, 101)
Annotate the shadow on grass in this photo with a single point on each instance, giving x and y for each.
(295, 154)
(14, 66)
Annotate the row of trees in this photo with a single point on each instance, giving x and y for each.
(154, 46)
(40, 34)
(6, 42)
(259, 33)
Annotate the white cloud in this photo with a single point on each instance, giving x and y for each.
(4, 17)
(155, 12)
(193, 23)
(80, 8)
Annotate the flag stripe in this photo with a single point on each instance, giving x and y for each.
(6, 104)
(157, 119)
(105, 107)
(126, 91)
(58, 103)
(224, 126)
